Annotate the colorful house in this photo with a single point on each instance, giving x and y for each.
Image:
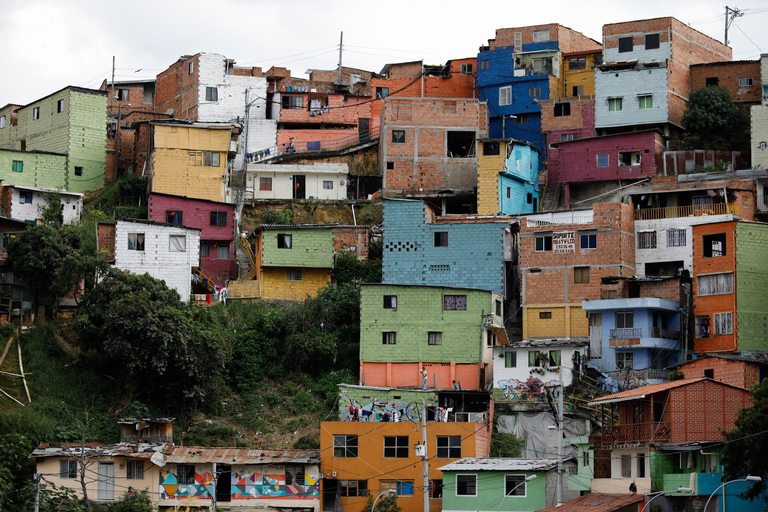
(478, 484)
(507, 177)
(444, 332)
(324, 181)
(669, 436)
(24, 203)
(216, 222)
(70, 122)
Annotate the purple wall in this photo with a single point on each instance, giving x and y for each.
(197, 214)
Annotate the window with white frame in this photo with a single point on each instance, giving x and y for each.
(716, 284)
(505, 95)
(2, 121)
(327, 185)
(466, 485)
(723, 323)
(646, 240)
(177, 243)
(745, 82)
(191, 67)
(467, 68)
(514, 485)
(434, 338)
(588, 241)
(294, 274)
(211, 94)
(541, 36)
(135, 241)
(614, 104)
(676, 238)
(645, 101)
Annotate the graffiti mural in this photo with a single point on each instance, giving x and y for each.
(170, 489)
(257, 485)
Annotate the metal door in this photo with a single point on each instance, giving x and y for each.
(106, 481)
(596, 336)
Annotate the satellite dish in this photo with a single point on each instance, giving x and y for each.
(158, 459)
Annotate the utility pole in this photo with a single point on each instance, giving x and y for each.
(37, 492)
(730, 15)
(341, 49)
(425, 457)
(560, 440)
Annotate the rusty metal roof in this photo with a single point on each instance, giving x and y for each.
(598, 502)
(132, 450)
(196, 454)
(500, 464)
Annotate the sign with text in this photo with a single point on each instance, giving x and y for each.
(564, 242)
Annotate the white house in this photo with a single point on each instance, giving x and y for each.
(163, 251)
(23, 203)
(318, 181)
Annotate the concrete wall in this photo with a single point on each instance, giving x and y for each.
(276, 286)
(751, 283)
(175, 268)
(472, 259)
(283, 185)
(628, 85)
(759, 135)
(44, 170)
(311, 247)
(71, 205)
(522, 370)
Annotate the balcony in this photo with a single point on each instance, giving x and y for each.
(672, 212)
(636, 332)
(632, 337)
(560, 218)
(635, 433)
(669, 334)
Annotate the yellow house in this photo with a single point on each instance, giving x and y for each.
(190, 160)
(579, 74)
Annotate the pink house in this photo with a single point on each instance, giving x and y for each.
(217, 222)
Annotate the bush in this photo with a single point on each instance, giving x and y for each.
(307, 442)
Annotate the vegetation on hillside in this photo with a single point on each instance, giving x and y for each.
(714, 121)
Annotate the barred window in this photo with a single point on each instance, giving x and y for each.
(389, 338)
(454, 302)
(265, 184)
(676, 238)
(646, 240)
(723, 323)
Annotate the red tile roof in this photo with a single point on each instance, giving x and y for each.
(598, 502)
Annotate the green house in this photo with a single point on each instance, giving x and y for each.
(503, 484)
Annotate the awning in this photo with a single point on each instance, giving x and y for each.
(616, 400)
(501, 334)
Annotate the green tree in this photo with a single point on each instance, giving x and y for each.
(133, 501)
(714, 121)
(50, 211)
(386, 503)
(746, 447)
(506, 445)
(15, 467)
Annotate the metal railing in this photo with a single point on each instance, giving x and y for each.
(657, 332)
(636, 332)
(693, 210)
(635, 433)
(560, 218)
(315, 146)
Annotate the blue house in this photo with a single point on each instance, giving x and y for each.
(507, 177)
(422, 248)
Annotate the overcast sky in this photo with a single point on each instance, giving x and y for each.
(49, 44)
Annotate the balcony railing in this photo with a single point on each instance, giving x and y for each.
(694, 210)
(635, 433)
(668, 334)
(624, 334)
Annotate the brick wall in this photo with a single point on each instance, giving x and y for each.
(580, 120)
(735, 373)
(728, 75)
(751, 283)
(701, 411)
(568, 40)
(346, 237)
(105, 234)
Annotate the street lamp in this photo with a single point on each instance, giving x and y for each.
(751, 478)
(662, 493)
(382, 493)
(507, 495)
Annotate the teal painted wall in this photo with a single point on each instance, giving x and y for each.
(39, 169)
(751, 286)
(419, 311)
(312, 247)
(490, 492)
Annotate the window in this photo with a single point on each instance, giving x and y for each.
(294, 274)
(723, 323)
(401, 487)
(716, 284)
(521, 119)
(191, 67)
(218, 218)
(265, 184)
(651, 41)
(483, 65)
(36, 113)
(585, 458)
(294, 475)
(390, 302)
(2, 121)
(466, 69)
(625, 360)
(710, 373)
(454, 302)
(534, 92)
(505, 95)
(353, 488)
(67, 469)
(390, 166)
(382, 92)
(541, 36)
(498, 307)
(581, 275)
(212, 158)
(185, 474)
(435, 338)
(327, 185)
(211, 94)
(588, 241)
(554, 358)
(460, 144)
(646, 240)
(714, 245)
(345, 445)
(205, 249)
(510, 360)
(396, 447)
(441, 239)
(195, 158)
(676, 238)
(625, 44)
(745, 82)
(645, 101)
(222, 251)
(490, 338)
(122, 95)
(60, 106)
(284, 241)
(177, 243)
(629, 158)
(398, 136)
(25, 197)
(491, 148)
(702, 326)
(578, 90)
(544, 243)
(135, 241)
(78, 170)
(293, 102)
(577, 63)
(509, 192)
(436, 487)
(640, 465)
(514, 485)
(545, 315)
(466, 485)
(448, 447)
(603, 160)
(614, 104)
(135, 470)
(389, 338)
(625, 319)
(712, 81)
(562, 109)
(518, 40)
(568, 137)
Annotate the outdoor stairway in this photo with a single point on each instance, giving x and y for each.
(250, 262)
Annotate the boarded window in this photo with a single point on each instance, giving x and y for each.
(581, 275)
(625, 44)
(651, 41)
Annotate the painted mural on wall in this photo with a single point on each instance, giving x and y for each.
(531, 390)
(259, 485)
(170, 489)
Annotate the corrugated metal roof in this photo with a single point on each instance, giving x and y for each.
(645, 391)
(598, 502)
(132, 450)
(500, 464)
(550, 342)
(195, 454)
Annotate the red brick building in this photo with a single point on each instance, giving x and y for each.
(743, 372)
(740, 77)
